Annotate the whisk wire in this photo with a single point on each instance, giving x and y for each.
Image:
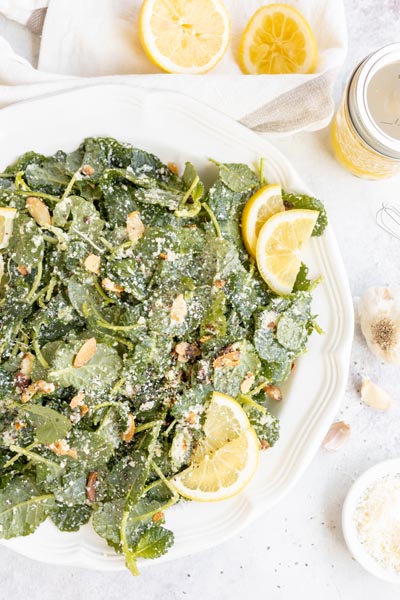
(388, 218)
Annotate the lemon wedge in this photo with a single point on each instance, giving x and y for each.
(279, 246)
(187, 36)
(259, 208)
(278, 39)
(7, 216)
(225, 459)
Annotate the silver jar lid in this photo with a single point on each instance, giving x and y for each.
(374, 100)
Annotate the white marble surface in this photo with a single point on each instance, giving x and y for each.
(297, 549)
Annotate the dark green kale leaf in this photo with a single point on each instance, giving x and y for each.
(49, 425)
(265, 424)
(99, 373)
(227, 379)
(49, 175)
(70, 518)
(23, 507)
(310, 203)
(26, 246)
(238, 177)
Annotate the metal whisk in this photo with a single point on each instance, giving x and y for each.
(388, 218)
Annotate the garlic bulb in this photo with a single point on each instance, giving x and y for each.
(375, 396)
(337, 435)
(379, 311)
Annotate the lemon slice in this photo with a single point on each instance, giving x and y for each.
(259, 208)
(278, 39)
(7, 216)
(188, 36)
(279, 245)
(226, 459)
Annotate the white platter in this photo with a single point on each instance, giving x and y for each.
(177, 129)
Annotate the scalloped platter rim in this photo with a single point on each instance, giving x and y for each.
(178, 128)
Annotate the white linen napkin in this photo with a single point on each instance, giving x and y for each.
(96, 41)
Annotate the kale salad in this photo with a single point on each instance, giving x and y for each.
(122, 285)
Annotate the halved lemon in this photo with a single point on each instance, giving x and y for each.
(7, 216)
(226, 459)
(186, 36)
(278, 39)
(259, 208)
(279, 246)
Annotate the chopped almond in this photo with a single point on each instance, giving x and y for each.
(273, 392)
(18, 425)
(111, 286)
(85, 353)
(38, 210)
(230, 359)
(220, 283)
(163, 256)
(22, 270)
(87, 170)
(61, 448)
(83, 409)
(134, 226)
(173, 167)
(264, 445)
(129, 432)
(191, 418)
(92, 263)
(77, 400)
(186, 352)
(27, 364)
(247, 382)
(178, 310)
(37, 386)
(158, 516)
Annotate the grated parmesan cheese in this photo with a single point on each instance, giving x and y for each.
(378, 522)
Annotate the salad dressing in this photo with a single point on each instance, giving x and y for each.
(365, 132)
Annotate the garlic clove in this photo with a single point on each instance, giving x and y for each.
(337, 435)
(379, 312)
(375, 396)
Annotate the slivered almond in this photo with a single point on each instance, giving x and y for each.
(111, 286)
(91, 486)
(230, 359)
(85, 353)
(22, 270)
(27, 364)
(61, 448)
(77, 400)
(173, 167)
(178, 310)
(38, 210)
(129, 432)
(134, 226)
(92, 263)
(35, 387)
(247, 382)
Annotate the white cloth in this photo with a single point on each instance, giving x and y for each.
(95, 41)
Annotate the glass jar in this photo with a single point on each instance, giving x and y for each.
(365, 132)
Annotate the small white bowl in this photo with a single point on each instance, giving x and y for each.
(354, 496)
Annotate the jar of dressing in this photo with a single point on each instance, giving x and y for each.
(365, 132)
